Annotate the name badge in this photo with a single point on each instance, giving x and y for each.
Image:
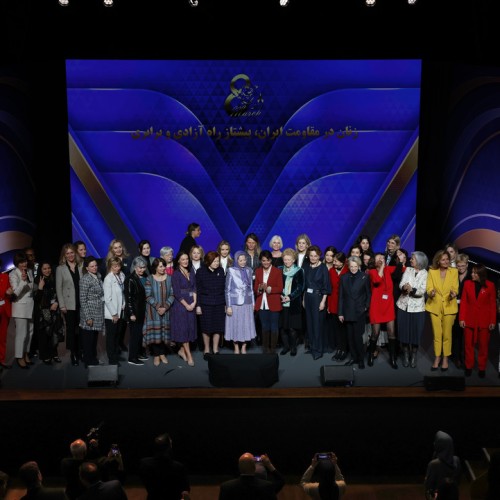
(458, 301)
(385, 296)
(191, 294)
(2, 302)
(310, 290)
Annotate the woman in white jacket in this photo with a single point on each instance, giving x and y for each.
(22, 283)
(411, 307)
(114, 304)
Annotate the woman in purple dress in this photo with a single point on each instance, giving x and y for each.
(183, 315)
(240, 323)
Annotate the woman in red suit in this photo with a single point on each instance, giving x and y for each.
(382, 306)
(339, 331)
(5, 314)
(268, 285)
(477, 316)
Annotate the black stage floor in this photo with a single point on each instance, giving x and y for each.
(300, 371)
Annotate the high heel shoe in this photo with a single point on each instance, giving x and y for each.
(23, 367)
(163, 359)
(156, 361)
(190, 363)
(182, 356)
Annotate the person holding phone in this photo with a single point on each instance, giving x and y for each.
(323, 479)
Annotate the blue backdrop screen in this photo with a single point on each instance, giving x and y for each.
(324, 147)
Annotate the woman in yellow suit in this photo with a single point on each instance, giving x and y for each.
(441, 304)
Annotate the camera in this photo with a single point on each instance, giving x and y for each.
(115, 450)
(257, 458)
(94, 432)
(324, 455)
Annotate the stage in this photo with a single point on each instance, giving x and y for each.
(298, 376)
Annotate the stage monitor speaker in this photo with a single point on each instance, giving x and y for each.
(243, 370)
(337, 376)
(105, 375)
(445, 383)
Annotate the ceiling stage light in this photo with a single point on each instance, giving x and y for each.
(63, 3)
(108, 3)
(370, 3)
(284, 3)
(193, 3)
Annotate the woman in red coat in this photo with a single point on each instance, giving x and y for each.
(339, 330)
(477, 316)
(382, 308)
(5, 314)
(268, 285)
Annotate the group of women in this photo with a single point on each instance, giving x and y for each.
(332, 303)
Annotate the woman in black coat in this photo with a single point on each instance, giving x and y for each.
(290, 321)
(354, 301)
(211, 308)
(135, 308)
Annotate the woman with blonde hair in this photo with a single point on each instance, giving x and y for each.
(441, 304)
(224, 251)
(68, 275)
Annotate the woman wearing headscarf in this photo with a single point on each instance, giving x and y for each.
(240, 323)
(444, 466)
(323, 479)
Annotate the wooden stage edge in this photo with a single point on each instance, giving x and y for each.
(245, 393)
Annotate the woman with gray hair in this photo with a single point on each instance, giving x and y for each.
(354, 302)
(411, 307)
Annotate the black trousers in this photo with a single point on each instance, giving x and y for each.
(355, 330)
(89, 341)
(112, 337)
(135, 339)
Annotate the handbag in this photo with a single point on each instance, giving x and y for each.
(57, 327)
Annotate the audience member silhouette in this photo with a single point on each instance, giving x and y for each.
(31, 477)
(4, 479)
(70, 469)
(96, 489)
(448, 490)
(444, 466)
(264, 469)
(323, 479)
(164, 477)
(494, 477)
(247, 486)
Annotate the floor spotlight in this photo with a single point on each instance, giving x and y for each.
(370, 3)
(108, 3)
(193, 3)
(63, 3)
(284, 3)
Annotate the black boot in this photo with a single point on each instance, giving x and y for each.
(371, 349)
(266, 339)
(413, 360)
(284, 342)
(273, 342)
(293, 342)
(406, 357)
(392, 353)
